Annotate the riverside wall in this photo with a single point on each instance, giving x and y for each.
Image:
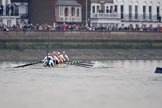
(33, 45)
(77, 35)
(77, 39)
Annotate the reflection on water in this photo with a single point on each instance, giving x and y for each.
(109, 84)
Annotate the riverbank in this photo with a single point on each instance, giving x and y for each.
(84, 54)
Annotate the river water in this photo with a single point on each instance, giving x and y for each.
(108, 84)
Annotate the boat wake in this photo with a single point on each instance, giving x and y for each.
(98, 64)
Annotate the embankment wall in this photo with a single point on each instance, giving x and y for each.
(77, 35)
(33, 45)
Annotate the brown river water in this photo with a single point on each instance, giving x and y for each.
(108, 84)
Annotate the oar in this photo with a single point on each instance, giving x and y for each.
(71, 62)
(29, 64)
(86, 62)
(83, 66)
(78, 62)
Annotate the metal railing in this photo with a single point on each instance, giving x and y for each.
(20, 15)
(69, 19)
(141, 18)
(105, 15)
(127, 17)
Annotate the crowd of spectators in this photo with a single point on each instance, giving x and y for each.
(43, 27)
(77, 27)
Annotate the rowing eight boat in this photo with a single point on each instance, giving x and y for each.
(63, 65)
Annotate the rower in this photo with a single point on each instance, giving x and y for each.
(65, 56)
(61, 59)
(55, 59)
(48, 60)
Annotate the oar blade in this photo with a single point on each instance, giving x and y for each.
(29, 64)
(81, 64)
